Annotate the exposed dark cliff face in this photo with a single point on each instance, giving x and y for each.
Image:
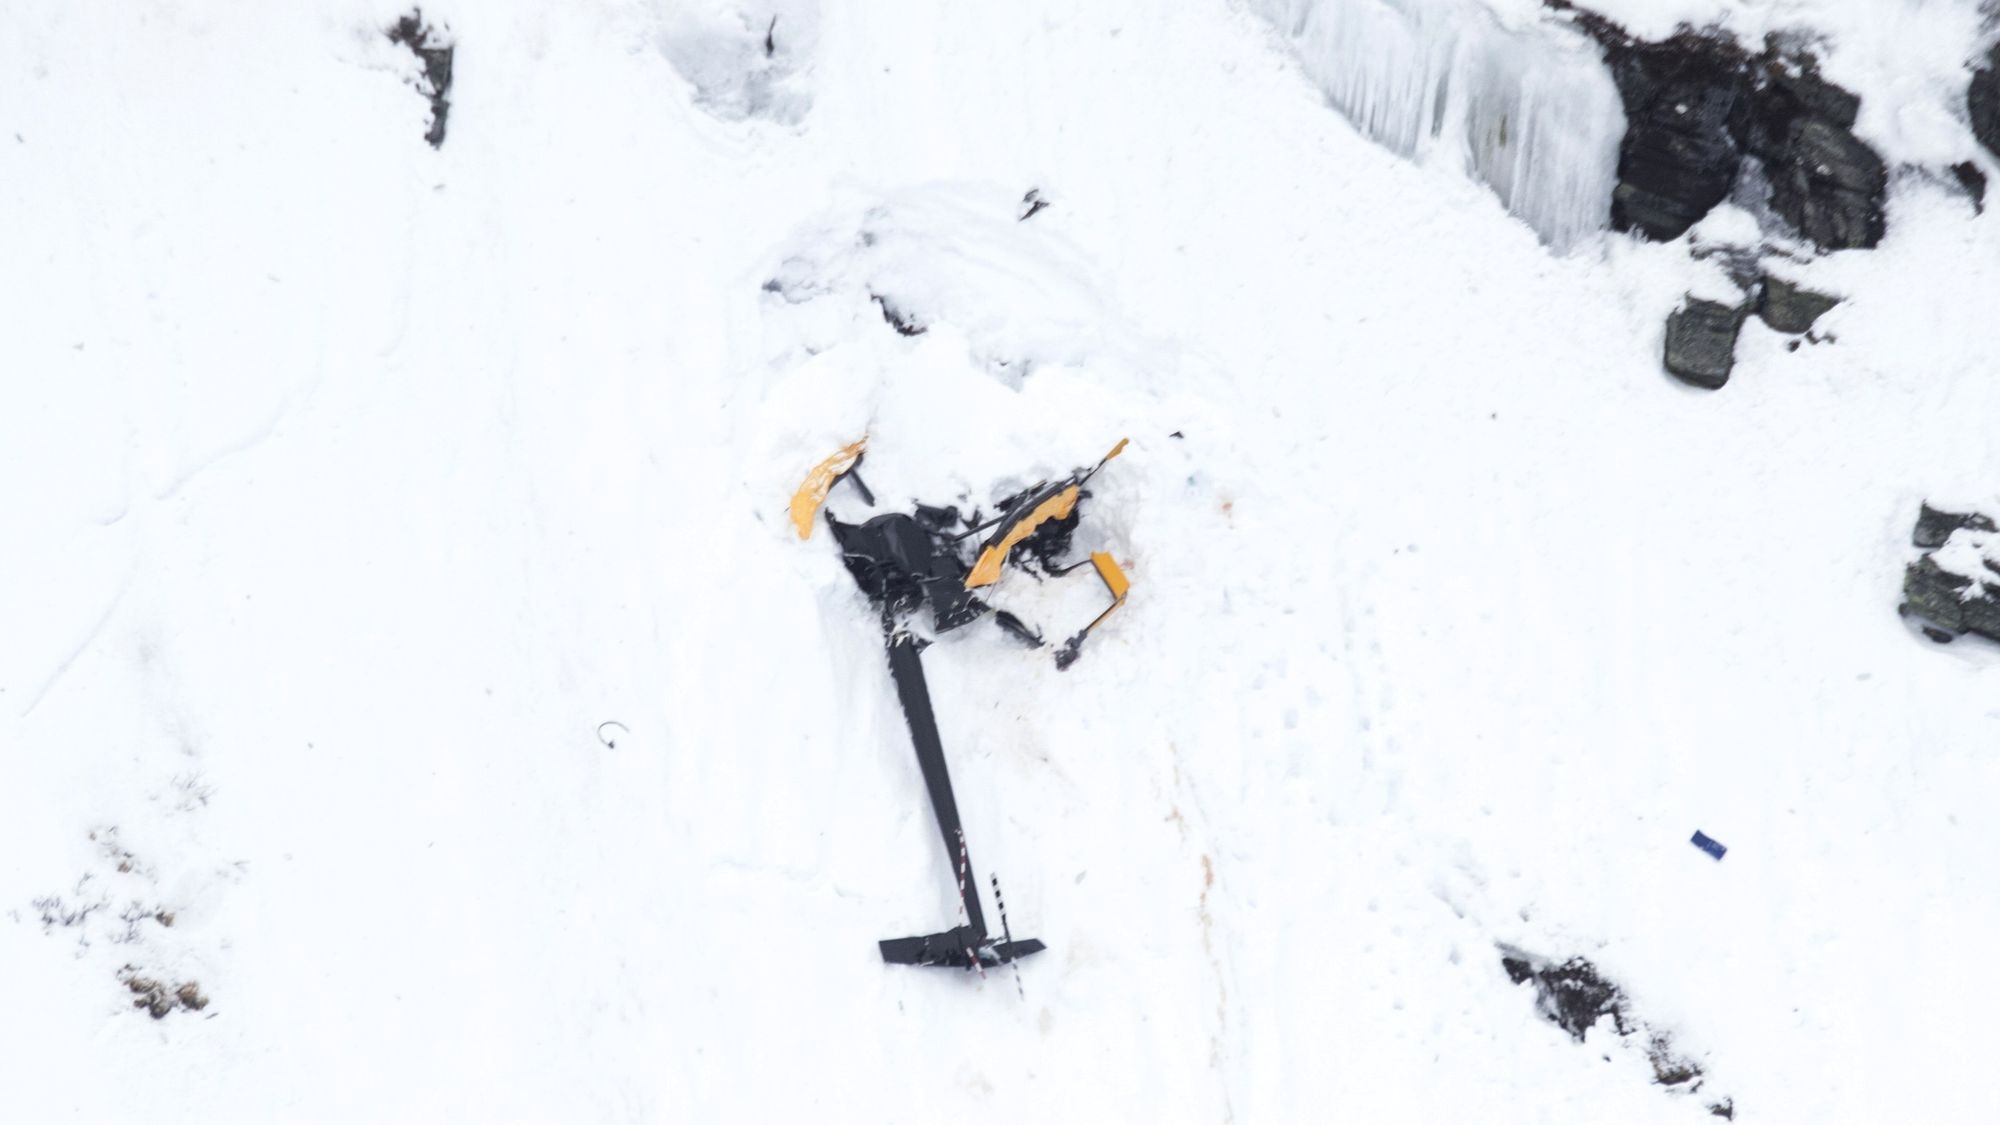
(1982, 100)
(1680, 156)
(1949, 598)
(1701, 343)
(1698, 106)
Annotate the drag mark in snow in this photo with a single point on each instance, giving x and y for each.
(1207, 918)
(255, 438)
(88, 640)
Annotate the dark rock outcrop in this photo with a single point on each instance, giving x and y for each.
(1680, 156)
(1697, 105)
(1946, 600)
(1701, 342)
(1973, 181)
(1941, 598)
(1982, 100)
(1684, 99)
(434, 50)
(1788, 308)
(1829, 185)
(1824, 180)
(1935, 525)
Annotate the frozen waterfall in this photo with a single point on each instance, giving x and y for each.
(1531, 110)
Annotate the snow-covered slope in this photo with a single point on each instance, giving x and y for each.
(352, 484)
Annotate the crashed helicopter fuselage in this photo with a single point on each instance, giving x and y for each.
(906, 561)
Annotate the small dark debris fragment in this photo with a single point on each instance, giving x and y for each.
(1033, 204)
(1973, 181)
(1177, 434)
(1707, 843)
(901, 321)
(861, 486)
(434, 49)
(937, 517)
(771, 38)
(1725, 1109)
(1573, 996)
(1669, 1069)
(1018, 628)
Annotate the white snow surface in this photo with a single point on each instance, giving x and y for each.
(1971, 553)
(351, 485)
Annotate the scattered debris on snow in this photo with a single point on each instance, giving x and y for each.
(1790, 308)
(1982, 101)
(1574, 996)
(1973, 181)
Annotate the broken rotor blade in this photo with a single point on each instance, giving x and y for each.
(1056, 506)
(811, 494)
(1115, 581)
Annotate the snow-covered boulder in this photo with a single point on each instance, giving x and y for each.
(1954, 588)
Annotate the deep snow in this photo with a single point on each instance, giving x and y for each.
(351, 485)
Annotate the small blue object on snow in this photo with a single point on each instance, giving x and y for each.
(1705, 843)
